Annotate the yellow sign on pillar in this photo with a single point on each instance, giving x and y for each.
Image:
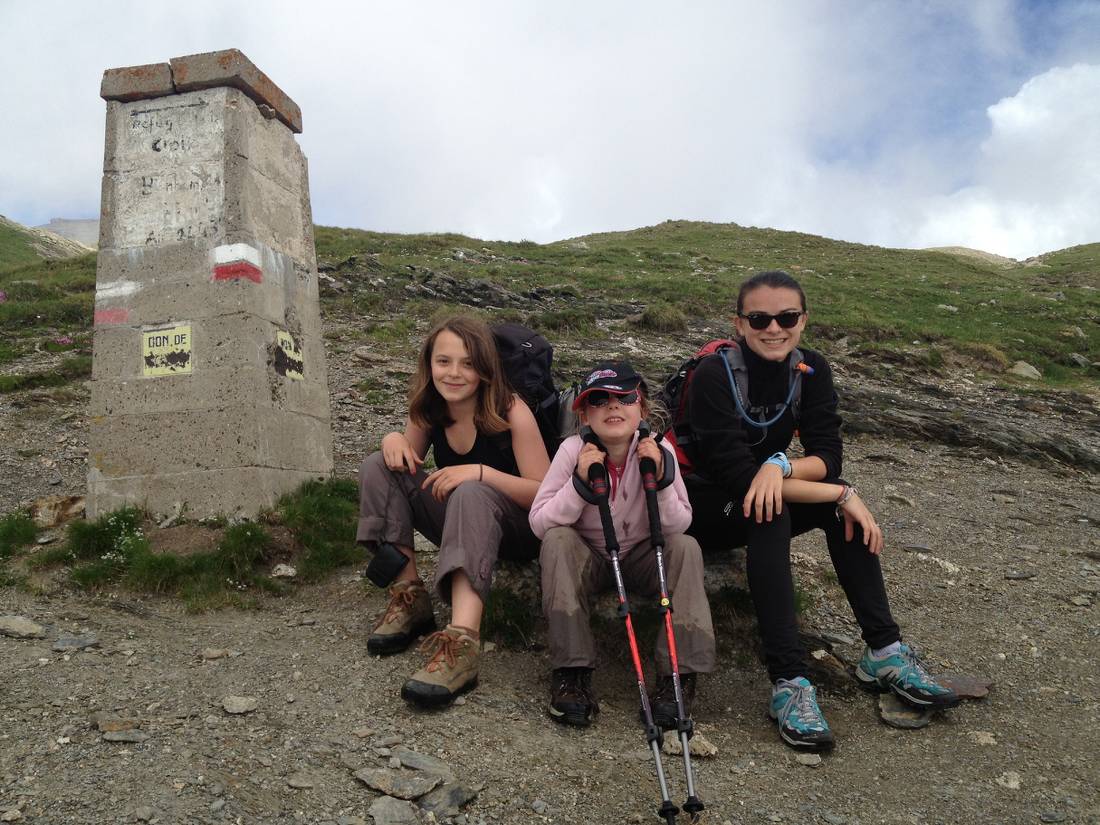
(166, 350)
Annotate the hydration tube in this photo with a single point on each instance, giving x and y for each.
(763, 425)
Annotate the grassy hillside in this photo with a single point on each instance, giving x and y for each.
(20, 245)
(877, 297)
(880, 299)
(16, 248)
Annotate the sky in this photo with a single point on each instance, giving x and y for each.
(906, 124)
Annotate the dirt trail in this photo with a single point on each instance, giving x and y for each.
(325, 709)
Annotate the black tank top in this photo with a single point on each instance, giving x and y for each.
(493, 451)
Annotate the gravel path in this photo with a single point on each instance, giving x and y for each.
(993, 567)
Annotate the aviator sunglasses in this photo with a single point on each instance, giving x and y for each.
(762, 320)
(601, 398)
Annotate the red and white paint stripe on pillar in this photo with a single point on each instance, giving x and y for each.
(114, 292)
(237, 261)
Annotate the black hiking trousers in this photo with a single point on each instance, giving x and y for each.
(719, 524)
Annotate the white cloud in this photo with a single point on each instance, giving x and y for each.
(1037, 182)
(528, 120)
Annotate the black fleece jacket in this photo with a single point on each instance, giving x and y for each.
(728, 451)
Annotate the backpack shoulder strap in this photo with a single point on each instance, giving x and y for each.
(735, 359)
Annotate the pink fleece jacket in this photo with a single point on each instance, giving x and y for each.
(558, 504)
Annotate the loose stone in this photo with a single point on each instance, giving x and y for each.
(810, 760)
(420, 762)
(105, 722)
(540, 807)
(131, 736)
(897, 714)
(389, 811)
(212, 653)
(299, 780)
(20, 627)
(400, 784)
(700, 747)
(239, 704)
(447, 800)
(67, 643)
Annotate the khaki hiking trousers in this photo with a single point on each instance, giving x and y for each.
(573, 574)
(471, 528)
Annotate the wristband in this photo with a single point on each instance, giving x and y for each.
(844, 498)
(781, 461)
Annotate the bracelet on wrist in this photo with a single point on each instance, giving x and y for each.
(844, 498)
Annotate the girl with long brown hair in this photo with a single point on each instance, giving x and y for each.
(489, 459)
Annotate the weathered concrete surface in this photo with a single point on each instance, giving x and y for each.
(209, 385)
(137, 82)
(194, 72)
(231, 68)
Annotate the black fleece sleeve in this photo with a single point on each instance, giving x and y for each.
(819, 421)
(723, 454)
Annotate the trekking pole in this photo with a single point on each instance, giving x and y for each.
(597, 478)
(684, 726)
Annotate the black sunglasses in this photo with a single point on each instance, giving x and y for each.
(601, 398)
(761, 320)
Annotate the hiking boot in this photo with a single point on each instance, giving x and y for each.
(663, 700)
(801, 724)
(451, 669)
(571, 699)
(407, 616)
(904, 673)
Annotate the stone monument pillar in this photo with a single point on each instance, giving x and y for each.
(208, 381)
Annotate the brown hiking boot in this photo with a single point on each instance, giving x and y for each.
(663, 700)
(571, 698)
(451, 670)
(407, 616)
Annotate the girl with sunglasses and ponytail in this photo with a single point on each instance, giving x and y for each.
(746, 491)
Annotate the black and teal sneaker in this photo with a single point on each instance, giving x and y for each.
(801, 723)
(904, 674)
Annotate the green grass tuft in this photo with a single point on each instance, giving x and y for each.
(508, 619)
(16, 530)
(70, 369)
(662, 317)
(323, 516)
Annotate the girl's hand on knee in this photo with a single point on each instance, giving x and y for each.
(854, 512)
(765, 494)
(590, 454)
(647, 448)
(398, 453)
(443, 482)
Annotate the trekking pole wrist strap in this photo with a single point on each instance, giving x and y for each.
(584, 489)
(669, 474)
(781, 461)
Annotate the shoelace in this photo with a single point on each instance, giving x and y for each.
(808, 711)
(914, 665)
(400, 600)
(573, 683)
(441, 646)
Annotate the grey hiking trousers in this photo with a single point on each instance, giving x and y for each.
(475, 524)
(573, 574)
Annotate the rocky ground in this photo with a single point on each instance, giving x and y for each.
(125, 708)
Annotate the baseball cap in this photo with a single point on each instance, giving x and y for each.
(616, 377)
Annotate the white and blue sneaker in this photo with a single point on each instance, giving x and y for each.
(801, 723)
(903, 672)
